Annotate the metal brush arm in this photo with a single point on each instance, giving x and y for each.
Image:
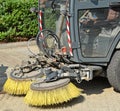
(64, 72)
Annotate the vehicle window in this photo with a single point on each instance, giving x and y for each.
(97, 30)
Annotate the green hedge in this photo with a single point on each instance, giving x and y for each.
(17, 21)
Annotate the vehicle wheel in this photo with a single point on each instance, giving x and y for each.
(113, 71)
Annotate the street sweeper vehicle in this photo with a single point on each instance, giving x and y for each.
(88, 45)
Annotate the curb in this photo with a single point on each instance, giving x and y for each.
(16, 44)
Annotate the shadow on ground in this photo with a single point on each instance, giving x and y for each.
(95, 86)
(3, 75)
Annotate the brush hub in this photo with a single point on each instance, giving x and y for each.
(42, 85)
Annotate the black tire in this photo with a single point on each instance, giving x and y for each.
(113, 71)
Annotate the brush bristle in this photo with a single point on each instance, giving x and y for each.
(51, 97)
(16, 87)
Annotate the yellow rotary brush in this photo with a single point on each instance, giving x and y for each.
(16, 87)
(51, 93)
(19, 83)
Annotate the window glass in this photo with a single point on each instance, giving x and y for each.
(97, 30)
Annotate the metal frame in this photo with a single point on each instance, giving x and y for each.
(76, 5)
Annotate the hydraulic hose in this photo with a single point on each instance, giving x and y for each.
(43, 45)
